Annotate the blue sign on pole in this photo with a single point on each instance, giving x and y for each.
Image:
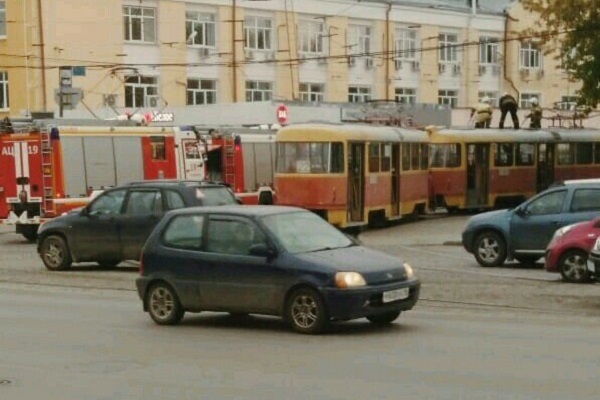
(78, 71)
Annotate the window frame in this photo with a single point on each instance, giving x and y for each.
(2, 19)
(402, 94)
(310, 38)
(359, 39)
(266, 94)
(147, 88)
(4, 91)
(200, 246)
(530, 56)
(254, 31)
(489, 50)
(204, 93)
(448, 48)
(448, 97)
(129, 17)
(309, 94)
(405, 44)
(207, 22)
(359, 94)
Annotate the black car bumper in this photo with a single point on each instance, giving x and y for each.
(346, 304)
(142, 285)
(593, 265)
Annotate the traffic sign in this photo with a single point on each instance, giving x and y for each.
(282, 114)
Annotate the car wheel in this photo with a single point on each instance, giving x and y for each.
(55, 253)
(572, 266)
(306, 312)
(384, 319)
(109, 263)
(490, 249)
(163, 305)
(527, 260)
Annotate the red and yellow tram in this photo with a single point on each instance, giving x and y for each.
(495, 168)
(352, 175)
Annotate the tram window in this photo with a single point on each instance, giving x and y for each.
(597, 153)
(414, 156)
(424, 156)
(157, 146)
(405, 157)
(445, 155)
(524, 154)
(337, 158)
(585, 200)
(374, 157)
(386, 156)
(319, 157)
(584, 153)
(504, 155)
(564, 154)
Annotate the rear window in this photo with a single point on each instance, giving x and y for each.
(214, 196)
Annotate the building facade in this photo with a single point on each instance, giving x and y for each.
(89, 55)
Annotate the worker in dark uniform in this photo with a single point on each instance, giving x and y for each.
(508, 104)
(535, 114)
(482, 113)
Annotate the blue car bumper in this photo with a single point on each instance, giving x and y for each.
(346, 304)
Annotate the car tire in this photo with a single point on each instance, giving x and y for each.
(527, 260)
(490, 249)
(109, 264)
(384, 319)
(55, 253)
(572, 267)
(163, 304)
(306, 312)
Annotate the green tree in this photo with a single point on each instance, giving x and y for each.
(574, 27)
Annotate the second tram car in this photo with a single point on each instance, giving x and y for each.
(495, 168)
(352, 175)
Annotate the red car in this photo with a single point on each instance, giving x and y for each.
(568, 250)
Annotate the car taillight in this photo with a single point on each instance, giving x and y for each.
(142, 263)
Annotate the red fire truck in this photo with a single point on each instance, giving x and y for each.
(50, 167)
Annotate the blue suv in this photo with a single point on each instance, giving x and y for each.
(524, 232)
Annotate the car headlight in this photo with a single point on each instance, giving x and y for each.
(409, 271)
(560, 232)
(345, 280)
(596, 248)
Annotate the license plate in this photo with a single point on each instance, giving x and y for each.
(394, 295)
(591, 266)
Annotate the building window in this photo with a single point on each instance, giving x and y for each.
(359, 94)
(139, 89)
(526, 99)
(448, 98)
(405, 44)
(493, 96)
(310, 37)
(406, 96)
(567, 103)
(359, 40)
(200, 29)
(201, 91)
(140, 24)
(259, 91)
(4, 104)
(3, 18)
(448, 43)
(312, 92)
(530, 56)
(488, 50)
(258, 32)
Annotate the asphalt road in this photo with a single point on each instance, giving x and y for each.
(97, 344)
(501, 333)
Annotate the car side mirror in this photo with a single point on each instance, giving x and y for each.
(262, 250)
(356, 241)
(521, 211)
(238, 200)
(84, 212)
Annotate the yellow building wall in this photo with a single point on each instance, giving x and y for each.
(172, 51)
(336, 88)
(428, 80)
(286, 48)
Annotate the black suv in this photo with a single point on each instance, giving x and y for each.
(116, 224)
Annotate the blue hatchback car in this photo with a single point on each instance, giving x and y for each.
(272, 260)
(524, 233)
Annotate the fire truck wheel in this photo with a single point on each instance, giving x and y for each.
(55, 253)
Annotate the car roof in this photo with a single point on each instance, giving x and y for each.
(174, 182)
(577, 182)
(243, 210)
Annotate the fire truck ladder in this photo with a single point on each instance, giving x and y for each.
(47, 206)
(229, 146)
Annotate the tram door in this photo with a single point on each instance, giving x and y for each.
(478, 170)
(545, 166)
(396, 184)
(356, 181)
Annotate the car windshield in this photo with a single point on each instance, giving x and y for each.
(215, 196)
(303, 232)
